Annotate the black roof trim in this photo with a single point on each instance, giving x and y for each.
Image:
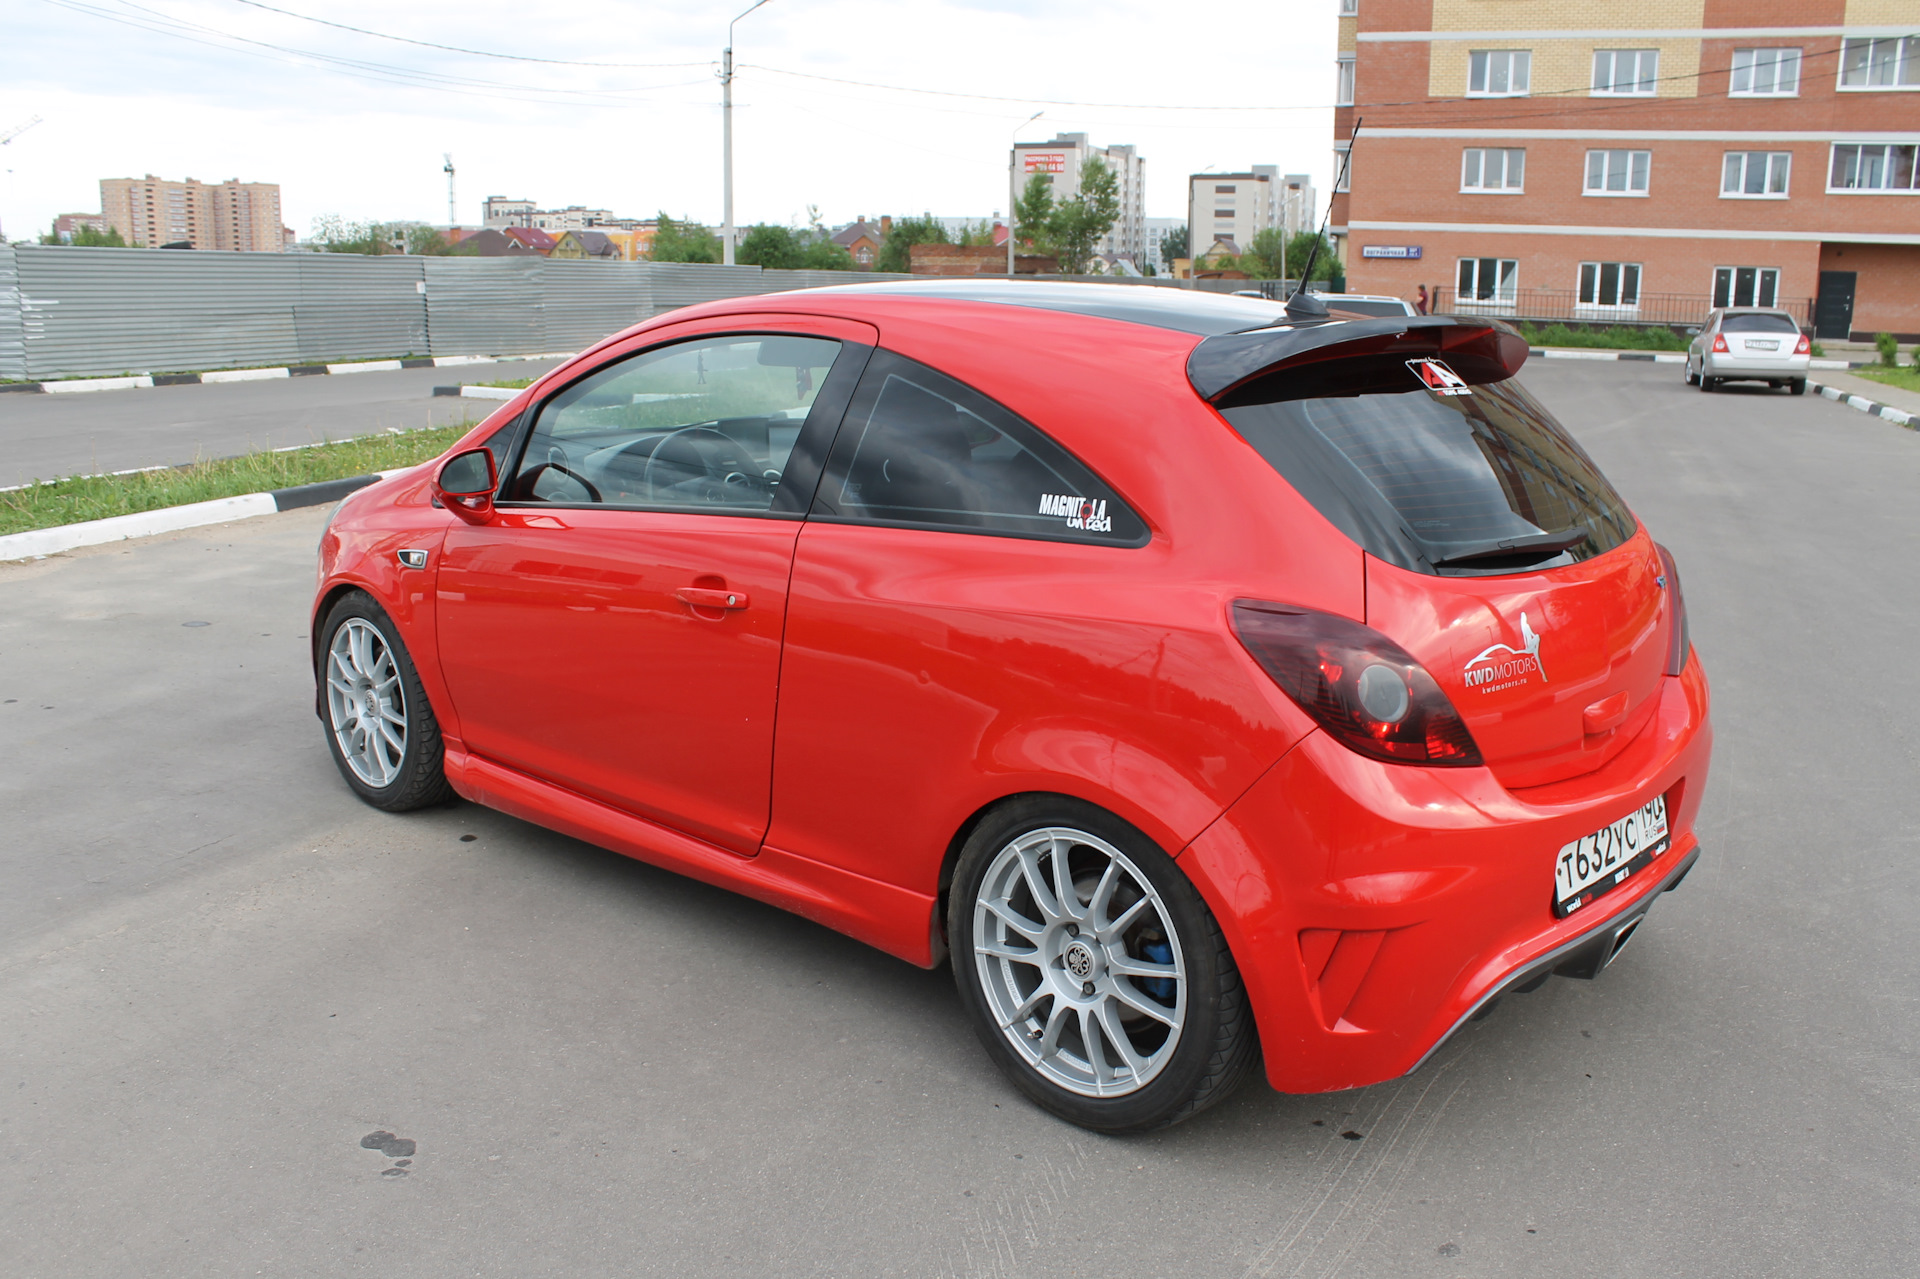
(1483, 350)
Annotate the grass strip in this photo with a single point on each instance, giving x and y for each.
(99, 497)
(1906, 377)
(510, 383)
(1611, 338)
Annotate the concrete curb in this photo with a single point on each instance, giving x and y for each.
(477, 392)
(66, 537)
(78, 386)
(1899, 417)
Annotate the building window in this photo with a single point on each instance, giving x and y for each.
(1224, 213)
(1226, 190)
(1489, 280)
(1765, 73)
(1884, 62)
(1874, 166)
(1625, 71)
(1348, 8)
(1342, 171)
(1343, 89)
(1614, 285)
(1493, 168)
(1618, 172)
(1499, 73)
(1745, 285)
(1759, 175)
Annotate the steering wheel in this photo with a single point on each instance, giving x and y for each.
(696, 435)
(532, 478)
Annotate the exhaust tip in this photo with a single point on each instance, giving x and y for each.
(1621, 938)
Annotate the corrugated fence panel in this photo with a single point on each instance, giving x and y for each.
(586, 301)
(351, 307)
(485, 306)
(677, 284)
(110, 311)
(13, 355)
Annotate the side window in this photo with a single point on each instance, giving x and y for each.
(707, 425)
(919, 448)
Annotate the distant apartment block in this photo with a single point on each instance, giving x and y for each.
(1235, 207)
(232, 216)
(67, 224)
(1060, 161)
(497, 213)
(1634, 159)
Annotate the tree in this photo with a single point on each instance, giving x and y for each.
(1266, 254)
(678, 241)
(1325, 266)
(896, 254)
(1080, 223)
(427, 242)
(977, 234)
(824, 255)
(1175, 244)
(334, 234)
(85, 237)
(1033, 214)
(773, 247)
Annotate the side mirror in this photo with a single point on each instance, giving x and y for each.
(1694, 332)
(465, 485)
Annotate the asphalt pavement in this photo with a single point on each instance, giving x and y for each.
(49, 436)
(253, 1026)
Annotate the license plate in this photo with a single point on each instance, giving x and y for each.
(1594, 865)
(1754, 344)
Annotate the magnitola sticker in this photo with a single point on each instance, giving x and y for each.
(1438, 378)
(1086, 513)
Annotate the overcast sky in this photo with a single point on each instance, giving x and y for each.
(355, 124)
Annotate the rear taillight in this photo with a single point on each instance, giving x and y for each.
(1804, 346)
(1360, 686)
(1679, 640)
(1720, 342)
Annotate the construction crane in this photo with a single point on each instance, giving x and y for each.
(18, 129)
(9, 136)
(453, 219)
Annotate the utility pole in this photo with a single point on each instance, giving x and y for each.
(453, 219)
(9, 136)
(1013, 195)
(726, 139)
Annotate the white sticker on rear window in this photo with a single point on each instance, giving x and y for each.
(1438, 378)
(1089, 514)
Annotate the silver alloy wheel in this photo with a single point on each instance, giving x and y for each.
(1080, 963)
(366, 702)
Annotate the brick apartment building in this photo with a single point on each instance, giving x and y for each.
(1635, 159)
(236, 216)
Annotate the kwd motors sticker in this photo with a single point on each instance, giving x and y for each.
(1438, 378)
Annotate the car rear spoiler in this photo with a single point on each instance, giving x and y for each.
(1347, 357)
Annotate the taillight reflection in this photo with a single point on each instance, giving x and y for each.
(1357, 684)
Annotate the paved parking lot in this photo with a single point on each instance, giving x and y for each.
(221, 977)
(47, 436)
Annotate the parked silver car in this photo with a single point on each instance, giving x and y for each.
(1750, 344)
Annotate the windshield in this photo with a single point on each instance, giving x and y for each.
(1425, 480)
(1757, 323)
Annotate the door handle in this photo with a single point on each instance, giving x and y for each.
(709, 597)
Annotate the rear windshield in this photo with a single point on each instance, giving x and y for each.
(1337, 304)
(1435, 483)
(1758, 324)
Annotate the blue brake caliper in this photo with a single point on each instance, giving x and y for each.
(1160, 988)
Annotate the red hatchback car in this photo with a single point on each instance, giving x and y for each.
(1214, 682)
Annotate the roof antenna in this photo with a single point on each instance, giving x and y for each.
(1302, 305)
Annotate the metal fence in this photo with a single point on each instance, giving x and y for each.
(1548, 306)
(72, 312)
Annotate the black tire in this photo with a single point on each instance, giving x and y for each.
(1797, 387)
(1217, 1045)
(419, 778)
(1708, 383)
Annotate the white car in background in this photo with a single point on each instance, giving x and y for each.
(1750, 344)
(1368, 304)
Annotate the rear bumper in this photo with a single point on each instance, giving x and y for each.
(1374, 908)
(1753, 366)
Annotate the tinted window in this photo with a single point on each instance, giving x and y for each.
(1758, 324)
(1418, 477)
(708, 424)
(920, 448)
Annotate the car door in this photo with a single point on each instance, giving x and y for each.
(615, 628)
